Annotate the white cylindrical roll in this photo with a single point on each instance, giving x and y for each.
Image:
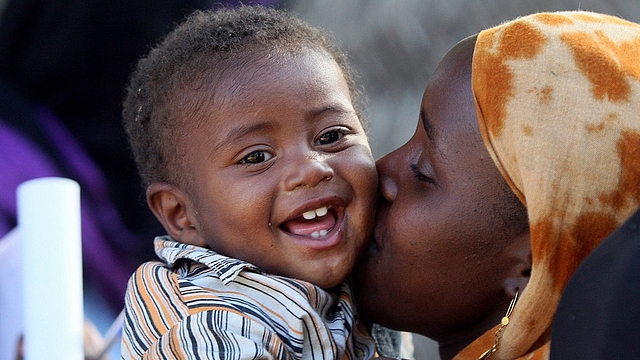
(49, 225)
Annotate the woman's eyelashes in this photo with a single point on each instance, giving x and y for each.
(419, 175)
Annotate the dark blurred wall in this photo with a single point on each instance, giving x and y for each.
(74, 57)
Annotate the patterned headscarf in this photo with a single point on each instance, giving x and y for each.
(558, 103)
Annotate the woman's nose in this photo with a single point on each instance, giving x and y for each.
(309, 171)
(386, 176)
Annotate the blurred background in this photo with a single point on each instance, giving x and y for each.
(63, 66)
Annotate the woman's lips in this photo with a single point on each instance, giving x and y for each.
(379, 231)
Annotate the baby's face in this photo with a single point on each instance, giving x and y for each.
(283, 173)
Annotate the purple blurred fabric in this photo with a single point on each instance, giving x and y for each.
(104, 237)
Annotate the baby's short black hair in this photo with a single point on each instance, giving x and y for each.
(200, 51)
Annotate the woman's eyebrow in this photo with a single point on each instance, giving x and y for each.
(427, 125)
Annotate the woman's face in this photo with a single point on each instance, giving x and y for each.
(437, 266)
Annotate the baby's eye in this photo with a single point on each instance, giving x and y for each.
(256, 157)
(330, 136)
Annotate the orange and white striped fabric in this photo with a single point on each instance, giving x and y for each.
(197, 304)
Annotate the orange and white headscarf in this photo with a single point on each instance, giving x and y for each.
(558, 103)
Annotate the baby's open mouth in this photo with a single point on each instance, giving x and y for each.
(314, 223)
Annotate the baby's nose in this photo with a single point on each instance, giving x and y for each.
(307, 172)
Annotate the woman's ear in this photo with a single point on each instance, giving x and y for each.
(174, 209)
(520, 271)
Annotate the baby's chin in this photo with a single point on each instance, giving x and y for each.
(330, 277)
(330, 283)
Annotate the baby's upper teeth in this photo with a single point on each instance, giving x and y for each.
(321, 211)
(311, 214)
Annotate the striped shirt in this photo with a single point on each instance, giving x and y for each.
(197, 304)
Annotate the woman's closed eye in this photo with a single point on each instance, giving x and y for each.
(419, 175)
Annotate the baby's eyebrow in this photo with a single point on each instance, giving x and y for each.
(335, 109)
(241, 130)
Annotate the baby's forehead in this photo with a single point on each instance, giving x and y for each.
(223, 79)
(262, 81)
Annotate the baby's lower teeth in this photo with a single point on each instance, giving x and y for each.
(318, 234)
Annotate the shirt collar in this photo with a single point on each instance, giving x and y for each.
(227, 268)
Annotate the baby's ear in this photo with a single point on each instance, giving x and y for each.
(174, 209)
